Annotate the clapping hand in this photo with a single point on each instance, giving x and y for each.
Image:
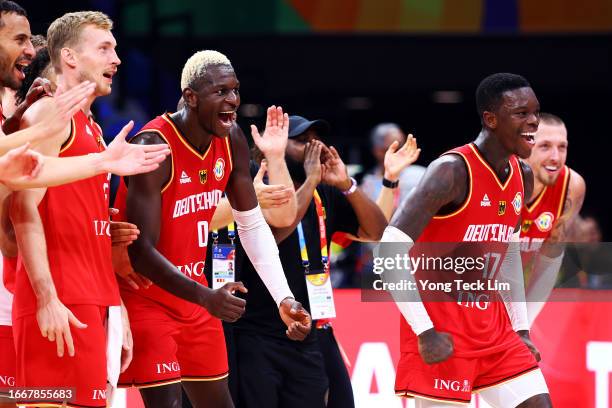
(397, 160)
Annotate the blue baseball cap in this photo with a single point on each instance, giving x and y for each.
(299, 124)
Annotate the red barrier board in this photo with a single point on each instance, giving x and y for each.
(573, 333)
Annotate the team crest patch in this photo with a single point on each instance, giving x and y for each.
(501, 210)
(219, 169)
(526, 225)
(203, 176)
(545, 221)
(517, 203)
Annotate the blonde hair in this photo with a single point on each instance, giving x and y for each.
(196, 66)
(66, 30)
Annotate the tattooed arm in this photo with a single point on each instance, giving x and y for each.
(442, 189)
(576, 191)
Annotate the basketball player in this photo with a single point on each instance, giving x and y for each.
(453, 348)
(550, 212)
(178, 337)
(63, 232)
(10, 104)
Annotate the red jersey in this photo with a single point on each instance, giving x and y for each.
(189, 200)
(539, 217)
(9, 272)
(76, 224)
(479, 324)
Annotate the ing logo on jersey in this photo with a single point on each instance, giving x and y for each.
(203, 176)
(545, 221)
(219, 169)
(517, 203)
(501, 210)
(526, 225)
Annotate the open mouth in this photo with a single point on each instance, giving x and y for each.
(551, 169)
(19, 68)
(529, 137)
(227, 118)
(108, 76)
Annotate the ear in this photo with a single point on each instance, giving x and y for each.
(190, 98)
(489, 119)
(68, 56)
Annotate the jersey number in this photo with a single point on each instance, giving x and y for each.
(202, 234)
(491, 264)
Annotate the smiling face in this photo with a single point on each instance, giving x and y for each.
(16, 50)
(216, 100)
(516, 121)
(95, 58)
(549, 153)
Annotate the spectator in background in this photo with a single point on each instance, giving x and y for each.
(296, 373)
(589, 230)
(588, 262)
(381, 138)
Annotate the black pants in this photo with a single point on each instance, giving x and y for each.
(279, 373)
(340, 389)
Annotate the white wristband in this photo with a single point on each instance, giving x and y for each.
(260, 246)
(413, 311)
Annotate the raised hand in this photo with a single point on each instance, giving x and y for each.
(39, 88)
(312, 161)
(66, 103)
(125, 159)
(270, 196)
(222, 303)
(274, 139)
(397, 160)
(20, 164)
(297, 319)
(334, 171)
(435, 347)
(54, 320)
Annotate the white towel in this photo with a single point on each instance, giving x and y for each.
(114, 345)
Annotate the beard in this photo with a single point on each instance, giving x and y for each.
(548, 179)
(101, 89)
(7, 79)
(296, 170)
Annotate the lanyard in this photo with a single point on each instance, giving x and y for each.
(322, 236)
(231, 234)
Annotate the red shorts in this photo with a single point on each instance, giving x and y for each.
(455, 379)
(169, 349)
(39, 366)
(7, 359)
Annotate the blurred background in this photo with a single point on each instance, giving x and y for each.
(357, 63)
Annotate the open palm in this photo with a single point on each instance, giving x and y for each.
(334, 170)
(125, 159)
(397, 160)
(274, 139)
